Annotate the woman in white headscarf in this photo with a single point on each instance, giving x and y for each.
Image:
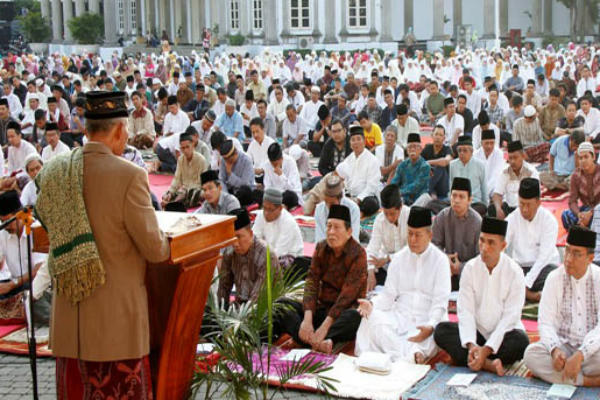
(411, 73)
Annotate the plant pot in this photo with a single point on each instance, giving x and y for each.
(39, 48)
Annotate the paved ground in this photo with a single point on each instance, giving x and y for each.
(15, 381)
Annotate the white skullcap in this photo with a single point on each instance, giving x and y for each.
(32, 157)
(529, 111)
(156, 81)
(296, 152)
(230, 103)
(33, 96)
(39, 82)
(585, 146)
(315, 89)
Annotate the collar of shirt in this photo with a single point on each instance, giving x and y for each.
(139, 114)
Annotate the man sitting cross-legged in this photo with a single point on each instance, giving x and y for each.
(336, 280)
(569, 346)
(489, 333)
(401, 319)
(216, 200)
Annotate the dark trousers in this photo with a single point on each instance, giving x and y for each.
(506, 209)
(538, 285)
(438, 182)
(168, 162)
(447, 337)
(380, 275)
(505, 137)
(342, 330)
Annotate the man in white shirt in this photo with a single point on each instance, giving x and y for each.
(493, 158)
(18, 149)
(453, 123)
(281, 172)
(333, 194)
(404, 124)
(390, 154)
(591, 115)
(29, 114)
(294, 128)
(176, 121)
(531, 238)
(295, 97)
(587, 82)
(360, 170)
(389, 235)
(489, 334)
(309, 111)
(55, 146)
(278, 228)
(569, 348)
(14, 104)
(401, 319)
(278, 105)
(473, 96)
(257, 149)
(484, 125)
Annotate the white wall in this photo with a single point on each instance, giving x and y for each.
(423, 19)
(560, 19)
(516, 18)
(472, 14)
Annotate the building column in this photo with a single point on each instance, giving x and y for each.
(45, 8)
(57, 34)
(503, 17)
(94, 6)
(285, 17)
(244, 11)
(489, 19)
(110, 22)
(126, 20)
(172, 23)
(142, 17)
(330, 36)
(408, 16)
(548, 17)
(344, 30)
(79, 7)
(386, 21)
(270, 21)
(536, 20)
(188, 21)
(438, 19)
(373, 30)
(456, 15)
(316, 33)
(67, 15)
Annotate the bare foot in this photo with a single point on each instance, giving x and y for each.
(494, 366)
(326, 346)
(419, 358)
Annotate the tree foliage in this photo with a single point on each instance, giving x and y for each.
(35, 27)
(576, 7)
(87, 28)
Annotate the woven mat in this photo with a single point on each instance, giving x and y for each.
(15, 342)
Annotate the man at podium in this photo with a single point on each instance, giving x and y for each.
(103, 230)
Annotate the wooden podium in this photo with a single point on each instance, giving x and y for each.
(177, 293)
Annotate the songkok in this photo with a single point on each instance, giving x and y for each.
(249, 95)
(419, 217)
(171, 100)
(488, 134)
(323, 112)
(585, 146)
(4, 102)
(337, 211)
(483, 118)
(369, 206)
(274, 152)
(464, 140)
(333, 186)
(242, 220)
(580, 236)
(494, 226)
(105, 105)
(185, 136)
(390, 197)
(176, 74)
(51, 126)
(51, 100)
(9, 203)
(273, 196)
(210, 115)
(461, 184)
(413, 138)
(448, 101)
(401, 109)
(515, 145)
(529, 111)
(290, 199)
(227, 148)
(209, 176)
(130, 78)
(529, 188)
(357, 130)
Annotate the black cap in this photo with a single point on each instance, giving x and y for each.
(494, 226)
(105, 105)
(274, 152)
(580, 236)
(249, 95)
(401, 109)
(515, 145)
(51, 126)
(4, 102)
(243, 219)
(464, 140)
(209, 176)
(357, 130)
(390, 197)
(488, 134)
(483, 118)
(419, 217)
(529, 188)
(9, 203)
(461, 184)
(337, 211)
(227, 148)
(323, 112)
(413, 138)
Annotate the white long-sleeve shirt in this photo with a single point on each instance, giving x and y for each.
(457, 122)
(289, 180)
(490, 303)
(48, 152)
(278, 109)
(258, 151)
(494, 164)
(176, 123)
(14, 105)
(387, 238)
(473, 102)
(282, 235)
(361, 174)
(533, 243)
(586, 84)
(14, 251)
(477, 135)
(591, 126)
(310, 114)
(322, 212)
(17, 156)
(554, 307)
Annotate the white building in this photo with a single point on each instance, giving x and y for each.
(298, 23)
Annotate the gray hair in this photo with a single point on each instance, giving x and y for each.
(93, 126)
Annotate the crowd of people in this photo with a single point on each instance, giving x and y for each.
(447, 157)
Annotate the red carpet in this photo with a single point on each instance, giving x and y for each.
(159, 184)
(19, 348)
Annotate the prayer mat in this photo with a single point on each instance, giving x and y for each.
(159, 184)
(486, 386)
(530, 311)
(554, 195)
(14, 341)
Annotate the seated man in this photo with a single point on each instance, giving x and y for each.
(333, 194)
(400, 320)
(236, 171)
(360, 170)
(489, 334)
(140, 124)
(185, 187)
(438, 155)
(531, 238)
(244, 263)
(281, 172)
(456, 229)
(528, 131)
(562, 161)
(493, 159)
(388, 237)
(18, 149)
(33, 165)
(506, 193)
(389, 155)
(336, 280)
(485, 125)
(465, 166)
(198, 145)
(294, 128)
(568, 318)
(257, 149)
(216, 201)
(278, 228)
(55, 145)
(412, 174)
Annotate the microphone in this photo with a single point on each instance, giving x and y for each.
(12, 219)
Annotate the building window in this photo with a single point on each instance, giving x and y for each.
(121, 15)
(357, 13)
(133, 14)
(300, 14)
(258, 14)
(235, 15)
